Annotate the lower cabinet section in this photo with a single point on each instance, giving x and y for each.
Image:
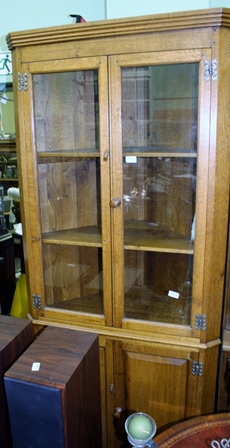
(58, 395)
(171, 383)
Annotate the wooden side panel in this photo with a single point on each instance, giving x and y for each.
(206, 393)
(218, 191)
(107, 391)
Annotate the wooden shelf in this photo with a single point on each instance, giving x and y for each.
(151, 151)
(139, 235)
(140, 303)
(142, 235)
(145, 151)
(93, 303)
(84, 236)
(8, 179)
(48, 156)
(7, 146)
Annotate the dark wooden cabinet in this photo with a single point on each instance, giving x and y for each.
(15, 336)
(8, 165)
(7, 272)
(223, 398)
(53, 392)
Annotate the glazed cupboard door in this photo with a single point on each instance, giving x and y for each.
(66, 178)
(162, 152)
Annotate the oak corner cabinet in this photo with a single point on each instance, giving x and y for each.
(123, 146)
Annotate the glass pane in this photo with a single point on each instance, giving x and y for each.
(73, 278)
(159, 107)
(158, 286)
(66, 111)
(66, 129)
(159, 123)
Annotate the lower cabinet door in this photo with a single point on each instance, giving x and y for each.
(156, 379)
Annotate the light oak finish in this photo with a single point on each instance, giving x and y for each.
(147, 345)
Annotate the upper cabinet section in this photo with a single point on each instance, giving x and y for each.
(201, 20)
(124, 168)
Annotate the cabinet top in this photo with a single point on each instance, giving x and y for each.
(203, 18)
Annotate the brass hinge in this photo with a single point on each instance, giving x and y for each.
(210, 70)
(36, 301)
(22, 81)
(200, 322)
(197, 368)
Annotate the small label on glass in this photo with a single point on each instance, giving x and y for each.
(35, 366)
(173, 294)
(131, 159)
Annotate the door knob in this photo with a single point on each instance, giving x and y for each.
(106, 156)
(115, 202)
(117, 413)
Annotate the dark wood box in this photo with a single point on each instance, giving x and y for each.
(57, 405)
(15, 336)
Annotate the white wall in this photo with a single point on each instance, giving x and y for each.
(125, 8)
(43, 13)
(29, 14)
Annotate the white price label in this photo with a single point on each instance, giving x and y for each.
(131, 159)
(35, 366)
(173, 294)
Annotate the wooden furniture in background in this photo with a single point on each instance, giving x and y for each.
(15, 336)
(8, 165)
(8, 174)
(7, 272)
(53, 391)
(124, 171)
(223, 391)
(198, 432)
